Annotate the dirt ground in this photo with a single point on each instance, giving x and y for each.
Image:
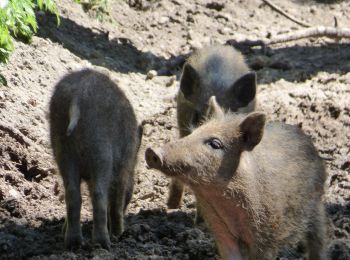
(304, 82)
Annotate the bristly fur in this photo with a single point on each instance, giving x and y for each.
(95, 137)
(269, 196)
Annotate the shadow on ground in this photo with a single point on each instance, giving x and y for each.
(95, 45)
(340, 216)
(295, 63)
(153, 233)
(23, 241)
(299, 63)
(149, 233)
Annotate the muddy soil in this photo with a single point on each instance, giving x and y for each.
(304, 82)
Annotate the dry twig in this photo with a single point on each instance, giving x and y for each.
(320, 31)
(290, 17)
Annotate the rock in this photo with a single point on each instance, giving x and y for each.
(171, 81)
(189, 35)
(13, 193)
(224, 31)
(195, 44)
(163, 20)
(151, 74)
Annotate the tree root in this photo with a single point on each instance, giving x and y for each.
(320, 31)
(290, 17)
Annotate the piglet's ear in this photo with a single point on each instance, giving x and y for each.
(252, 129)
(189, 80)
(214, 109)
(244, 89)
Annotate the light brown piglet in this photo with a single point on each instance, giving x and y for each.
(259, 185)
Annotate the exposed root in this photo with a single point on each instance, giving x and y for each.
(320, 31)
(290, 17)
(16, 134)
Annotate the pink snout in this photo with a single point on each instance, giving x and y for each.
(154, 159)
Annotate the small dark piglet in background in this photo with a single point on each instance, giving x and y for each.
(218, 71)
(95, 137)
(259, 186)
(212, 71)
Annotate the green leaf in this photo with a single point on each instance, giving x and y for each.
(18, 20)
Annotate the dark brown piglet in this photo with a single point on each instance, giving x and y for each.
(95, 137)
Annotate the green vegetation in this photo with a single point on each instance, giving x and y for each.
(98, 8)
(17, 19)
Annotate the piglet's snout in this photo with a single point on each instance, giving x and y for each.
(154, 158)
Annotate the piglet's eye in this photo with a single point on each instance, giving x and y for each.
(215, 143)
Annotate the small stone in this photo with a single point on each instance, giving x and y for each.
(195, 44)
(151, 74)
(171, 81)
(189, 35)
(224, 31)
(13, 193)
(163, 20)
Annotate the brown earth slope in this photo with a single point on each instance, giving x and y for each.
(306, 82)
